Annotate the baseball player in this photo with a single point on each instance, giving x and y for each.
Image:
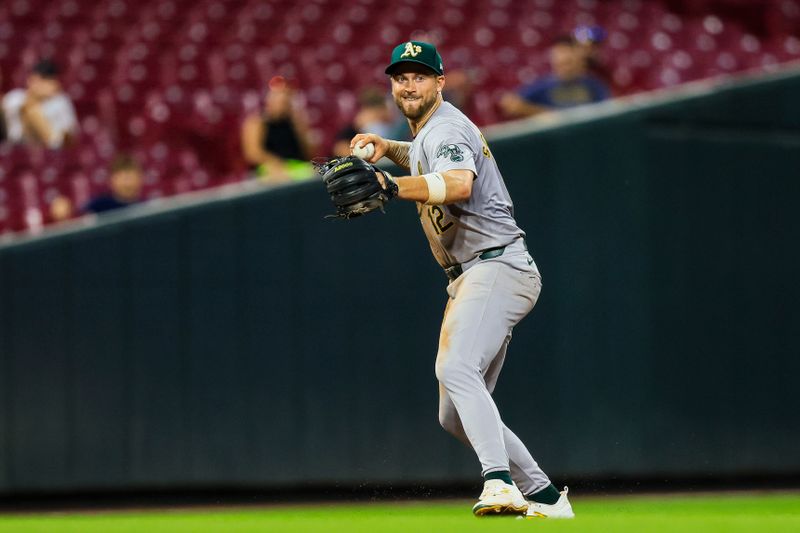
(467, 215)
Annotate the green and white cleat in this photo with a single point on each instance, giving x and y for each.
(499, 498)
(560, 509)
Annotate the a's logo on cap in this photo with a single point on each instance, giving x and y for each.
(412, 50)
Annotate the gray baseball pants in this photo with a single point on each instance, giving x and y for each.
(484, 305)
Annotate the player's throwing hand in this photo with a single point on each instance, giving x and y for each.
(363, 139)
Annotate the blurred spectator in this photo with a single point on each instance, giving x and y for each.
(42, 113)
(589, 40)
(569, 84)
(61, 209)
(275, 142)
(458, 90)
(373, 116)
(125, 187)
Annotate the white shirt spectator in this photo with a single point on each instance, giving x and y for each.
(58, 110)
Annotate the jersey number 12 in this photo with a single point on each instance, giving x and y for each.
(436, 215)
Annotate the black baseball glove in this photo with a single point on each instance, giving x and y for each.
(354, 187)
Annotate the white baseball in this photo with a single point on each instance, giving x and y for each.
(364, 152)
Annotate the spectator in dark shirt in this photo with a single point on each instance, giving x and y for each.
(275, 142)
(568, 85)
(125, 187)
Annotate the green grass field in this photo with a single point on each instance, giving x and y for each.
(714, 513)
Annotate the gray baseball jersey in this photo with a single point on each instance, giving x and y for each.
(461, 231)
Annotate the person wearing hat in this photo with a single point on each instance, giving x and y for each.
(468, 217)
(568, 85)
(41, 113)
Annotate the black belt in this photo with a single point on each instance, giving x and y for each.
(456, 270)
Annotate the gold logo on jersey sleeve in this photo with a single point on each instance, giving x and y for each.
(412, 50)
(486, 152)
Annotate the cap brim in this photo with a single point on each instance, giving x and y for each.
(391, 67)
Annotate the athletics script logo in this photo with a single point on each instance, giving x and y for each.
(412, 50)
(452, 151)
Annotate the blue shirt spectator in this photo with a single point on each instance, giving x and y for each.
(551, 91)
(569, 84)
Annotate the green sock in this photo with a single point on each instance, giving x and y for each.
(548, 495)
(505, 475)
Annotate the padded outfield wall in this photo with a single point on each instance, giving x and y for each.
(244, 340)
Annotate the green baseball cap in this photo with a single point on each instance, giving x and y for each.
(417, 52)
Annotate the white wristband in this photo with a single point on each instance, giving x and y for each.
(437, 188)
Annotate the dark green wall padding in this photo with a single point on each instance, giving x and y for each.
(250, 342)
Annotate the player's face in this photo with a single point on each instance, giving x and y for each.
(415, 90)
